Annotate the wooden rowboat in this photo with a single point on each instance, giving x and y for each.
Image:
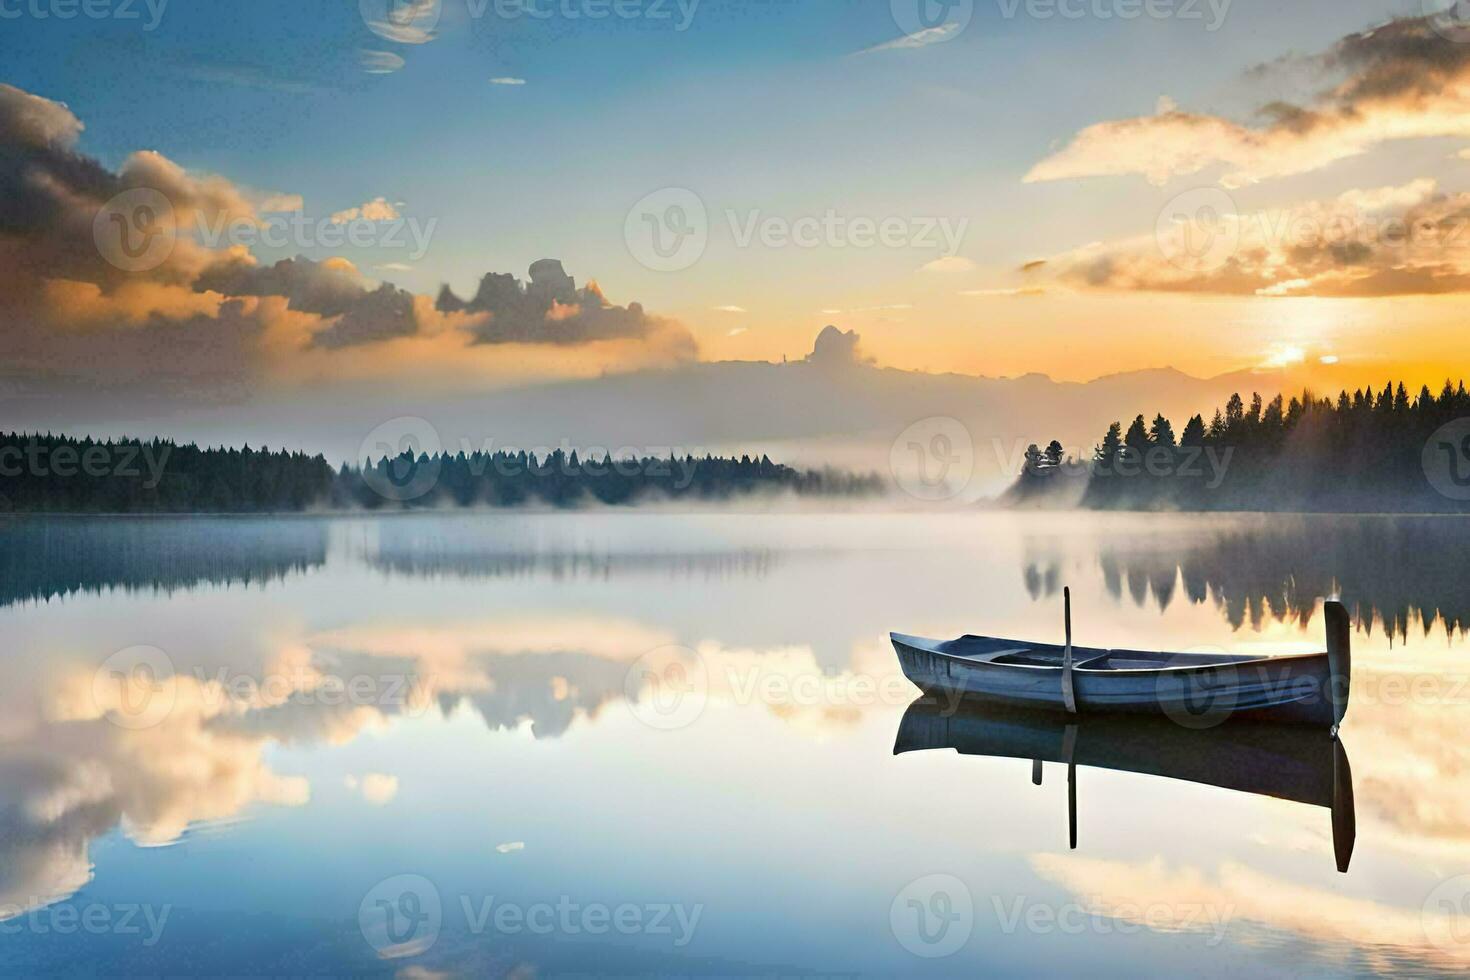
(1197, 690)
(1287, 762)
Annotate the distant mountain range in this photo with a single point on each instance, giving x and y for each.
(832, 407)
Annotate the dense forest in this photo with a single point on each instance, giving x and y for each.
(61, 474)
(1360, 452)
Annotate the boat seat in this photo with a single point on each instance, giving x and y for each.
(1025, 658)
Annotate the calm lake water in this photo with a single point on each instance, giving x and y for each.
(655, 743)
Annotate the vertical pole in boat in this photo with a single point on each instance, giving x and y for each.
(1035, 772)
(1069, 749)
(1069, 697)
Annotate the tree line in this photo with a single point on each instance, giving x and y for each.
(1367, 450)
(64, 474)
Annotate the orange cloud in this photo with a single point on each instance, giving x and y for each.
(1403, 80)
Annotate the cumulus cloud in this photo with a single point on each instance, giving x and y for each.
(378, 209)
(1402, 80)
(1388, 241)
(353, 310)
(109, 284)
(551, 309)
(836, 349)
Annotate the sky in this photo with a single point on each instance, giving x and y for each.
(990, 187)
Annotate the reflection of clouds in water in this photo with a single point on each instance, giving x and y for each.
(69, 782)
(1410, 760)
(68, 775)
(1410, 715)
(1344, 927)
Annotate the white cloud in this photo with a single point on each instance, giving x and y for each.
(918, 39)
(378, 209)
(379, 62)
(275, 202)
(1400, 81)
(1021, 291)
(730, 309)
(511, 846)
(507, 80)
(870, 309)
(949, 263)
(736, 332)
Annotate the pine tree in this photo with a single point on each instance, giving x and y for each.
(1161, 433)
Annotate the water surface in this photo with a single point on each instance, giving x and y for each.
(626, 743)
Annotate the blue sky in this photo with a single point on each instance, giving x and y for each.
(762, 106)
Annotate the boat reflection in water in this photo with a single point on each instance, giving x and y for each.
(1287, 762)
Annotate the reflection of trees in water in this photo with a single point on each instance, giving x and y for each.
(423, 560)
(41, 558)
(1397, 571)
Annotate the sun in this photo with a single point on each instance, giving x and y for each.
(1283, 355)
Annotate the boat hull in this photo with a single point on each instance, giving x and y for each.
(1293, 690)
